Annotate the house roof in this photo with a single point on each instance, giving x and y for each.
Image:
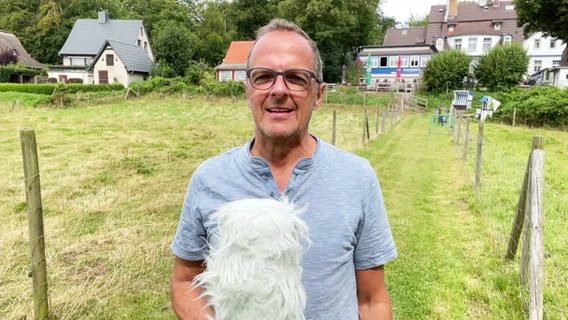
(135, 59)
(397, 50)
(88, 35)
(472, 11)
(405, 36)
(9, 41)
(236, 56)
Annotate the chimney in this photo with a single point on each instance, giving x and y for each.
(103, 17)
(496, 3)
(452, 8)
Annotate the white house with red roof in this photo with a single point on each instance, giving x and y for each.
(234, 64)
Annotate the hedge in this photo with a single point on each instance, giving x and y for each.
(49, 89)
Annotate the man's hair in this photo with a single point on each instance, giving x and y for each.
(285, 25)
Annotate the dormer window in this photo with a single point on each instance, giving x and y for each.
(451, 27)
(497, 24)
(507, 39)
(440, 44)
(404, 32)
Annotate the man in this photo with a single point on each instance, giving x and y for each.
(350, 236)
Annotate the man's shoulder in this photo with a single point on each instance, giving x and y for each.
(342, 157)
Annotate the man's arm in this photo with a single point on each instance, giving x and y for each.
(372, 295)
(185, 297)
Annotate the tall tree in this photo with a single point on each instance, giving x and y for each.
(339, 27)
(548, 16)
(418, 21)
(174, 45)
(214, 32)
(249, 15)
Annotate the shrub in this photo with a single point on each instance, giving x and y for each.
(535, 107)
(446, 71)
(502, 68)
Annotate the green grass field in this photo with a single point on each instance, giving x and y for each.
(113, 178)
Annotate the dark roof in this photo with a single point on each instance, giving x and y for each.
(135, 59)
(405, 36)
(88, 35)
(9, 41)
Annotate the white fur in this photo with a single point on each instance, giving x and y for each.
(253, 271)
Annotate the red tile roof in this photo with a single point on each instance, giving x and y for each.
(237, 52)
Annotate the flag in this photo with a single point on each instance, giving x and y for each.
(398, 68)
(368, 78)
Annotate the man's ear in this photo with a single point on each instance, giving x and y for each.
(319, 95)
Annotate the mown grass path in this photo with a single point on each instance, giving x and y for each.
(444, 269)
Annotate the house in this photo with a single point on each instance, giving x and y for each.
(114, 58)
(397, 63)
(10, 44)
(234, 64)
(89, 43)
(477, 26)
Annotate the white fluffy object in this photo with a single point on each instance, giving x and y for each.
(253, 269)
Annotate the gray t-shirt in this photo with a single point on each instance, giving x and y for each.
(347, 221)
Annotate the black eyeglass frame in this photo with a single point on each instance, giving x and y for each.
(283, 74)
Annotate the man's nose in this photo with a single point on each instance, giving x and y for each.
(280, 84)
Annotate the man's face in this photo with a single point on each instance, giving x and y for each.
(279, 112)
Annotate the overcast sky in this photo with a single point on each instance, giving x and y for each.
(402, 9)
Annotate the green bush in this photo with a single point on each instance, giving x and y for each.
(536, 107)
(502, 68)
(46, 89)
(446, 71)
(76, 87)
(7, 70)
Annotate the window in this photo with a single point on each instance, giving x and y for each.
(556, 63)
(139, 42)
(472, 44)
(497, 25)
(458, 44)
(552, 43)
(78, 61)
(225, 75)
(451, 27)
(486, 44)
(240, 75)
(109, 60)
(414, 61)
(440, 44)
(374, 62)
(393, 61)
(404, 32)
(537, 43)
(507, 40)
(424, 61)
(404, 61)
(537, 65)
(383, 62)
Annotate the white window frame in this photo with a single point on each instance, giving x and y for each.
(458, 44)
(414, 61)
(556, 63)
(497, 26)
(393, 61)
(240, 75)
(374, 61)
(225, 75)
(424, 61)
(472, 44)
(507, 40)
(440, 44)
(537, 43)
(487, 42)
(404, 61)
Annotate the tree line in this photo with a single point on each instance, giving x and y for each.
(188, 32)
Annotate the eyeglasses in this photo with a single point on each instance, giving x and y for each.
(295, 79)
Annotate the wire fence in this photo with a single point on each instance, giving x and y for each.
(498, 178)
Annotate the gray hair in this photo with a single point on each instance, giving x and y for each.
(285, 25)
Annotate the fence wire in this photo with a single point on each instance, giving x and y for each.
(503, 165)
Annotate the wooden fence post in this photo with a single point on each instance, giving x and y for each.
(35, 222)
(333, 132)
(478, 157)
(532, 256)
(466, 139)
(514, 116)
(384, 115)
(459, 128)
(376, 120)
